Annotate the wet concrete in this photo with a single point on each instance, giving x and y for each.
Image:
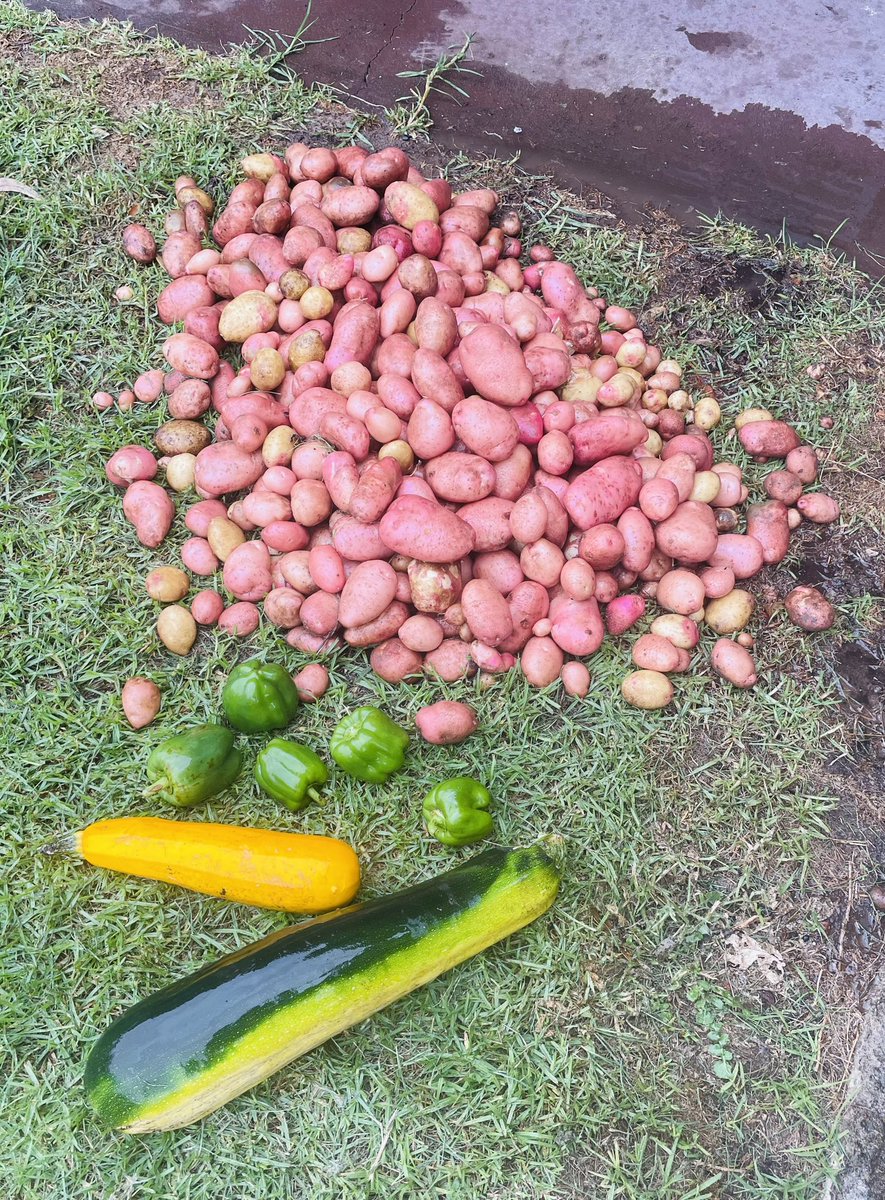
(773, 111)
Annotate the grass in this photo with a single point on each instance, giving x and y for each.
(606, 1051)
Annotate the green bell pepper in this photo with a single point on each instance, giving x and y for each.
(368, 745)
(288, 772)
(194, 765)
(259, 696)
(456, 811)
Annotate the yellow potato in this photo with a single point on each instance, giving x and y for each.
(167, 584)
(177, 629)
(224, 536)
(180, 472)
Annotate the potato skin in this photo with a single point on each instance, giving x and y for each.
(446, 722)
(151, 511)
(141, 699)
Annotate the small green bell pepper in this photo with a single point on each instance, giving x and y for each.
(259, 696)
(368, 745)
(456, 811)
(288, 772)
(194, 765)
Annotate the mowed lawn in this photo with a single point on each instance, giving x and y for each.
(608, 1050)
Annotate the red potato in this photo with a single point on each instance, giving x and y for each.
(282, 607)
(394, 662)
(265, 508)
(191, 356)
(181, 296)
(198, 557)
(577, 627)
(284, 536)
(555, 453)
(809, 609)
(689, 534)
(308, 409)
(602, 546)
(733, 662)
(240, 620)
(367, 593)
(381, 628)
(309, 502)
(139, 244)
(541, 661)
(130, 464)
(697, 446)
(375, 490)
(359, 542)
(356, 332)
(647, 689)
(311, 643)
(190, 399)
(680, 591)
(421, 529)
(500, 567)
(350, 206)
(408, 204)
(490, 520)
(818, 508)
(485, 428)
(528, 604)
(433, 377)
(247, 571)
(486, 612)
(341, 476)
(319, 613)
(783, 486)
(223, 467)
(717, 581)
(450, 660)
(652, 652)
(421, 634)
(150, 510)
(767, 523)
(639, 539)
(326, 568)
(178, 250)
(600, 494)
(206, 607)
(293, 569)
(435, 326)
(575, 679)
(430, 432)
(542, 561)
(513, 473)
(770, 439)
(200, 514)
(740, 552)
(141, 698)
(658, 498)
(622, 612)
(312, 682)
(495, 365)
(802, 462)
(446, 722)
(529, 517)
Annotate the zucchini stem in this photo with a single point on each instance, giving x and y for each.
(65, 844)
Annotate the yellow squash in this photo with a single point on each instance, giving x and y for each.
(291, 872)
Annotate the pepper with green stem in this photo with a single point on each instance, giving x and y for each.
(368, 745)
(290, 773)
(456, 811)
(194, 765)
(259, 696)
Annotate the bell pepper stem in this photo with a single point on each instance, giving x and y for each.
(316, 796)
(155, 787)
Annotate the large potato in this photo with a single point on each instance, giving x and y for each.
(680, 591)
(130, 463)
(486, 429)
(408, 204)
(740, 552)
(150, 510)
(733, 662)
(528, 604)
(607, 434)
(809, 609)
(818, 508)
(430, 432)
(223, 468)
(375, 490)
(460, 477)
(577, 627)
(495, 365)
(490, 521)
(191, 356)
(183, 294)
(370, 589)
(651, 652)
(421, 529)
(690, 534)
(600, 494)
(730, 613)
(770, 439)
(349, 206)
(247, 571)
(767, 523)
(357, 541)
(450, 660)
(541, 661)
(355, 334)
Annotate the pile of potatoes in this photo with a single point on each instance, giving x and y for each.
(438, 448)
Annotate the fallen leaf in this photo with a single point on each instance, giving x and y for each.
(744, 952)
(13, 185)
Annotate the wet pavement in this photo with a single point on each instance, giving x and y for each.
(773, 111)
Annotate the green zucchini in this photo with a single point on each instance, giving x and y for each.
(191, 1047)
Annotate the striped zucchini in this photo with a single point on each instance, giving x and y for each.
(191, 1047)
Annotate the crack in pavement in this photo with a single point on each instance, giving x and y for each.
(402, 17)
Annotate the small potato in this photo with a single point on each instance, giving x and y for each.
(601, 546)
(148, 507)
(310, 502)
(652, 652)
(394, 662)
(421, 633)
(450, 660)
(683, 632)
(240, 619)
(680, 591)
(167, 584)
(809, 609)
(542, 561)
(730, 613)
(190, 399)
(206, 607)
(575, 679)
(751, 415)
(180, 472)
(247, 573)
(647, 689)
(717, 581)
(734, 663)
(267, 368)
(224, 536)
(707, 413)
(578, 579)
(319, 613)
(182, 437)
(130, 464)
(139, 244)
(803, 463)
(486, 612)
(312, 682)
(706, 487)
(622, 612)
(141, 700)
(783, 486)
(177, 629)
(818, 508)
(541, 661)
(446, 722)
(198, 556)
(576, 626)
(659, 498)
